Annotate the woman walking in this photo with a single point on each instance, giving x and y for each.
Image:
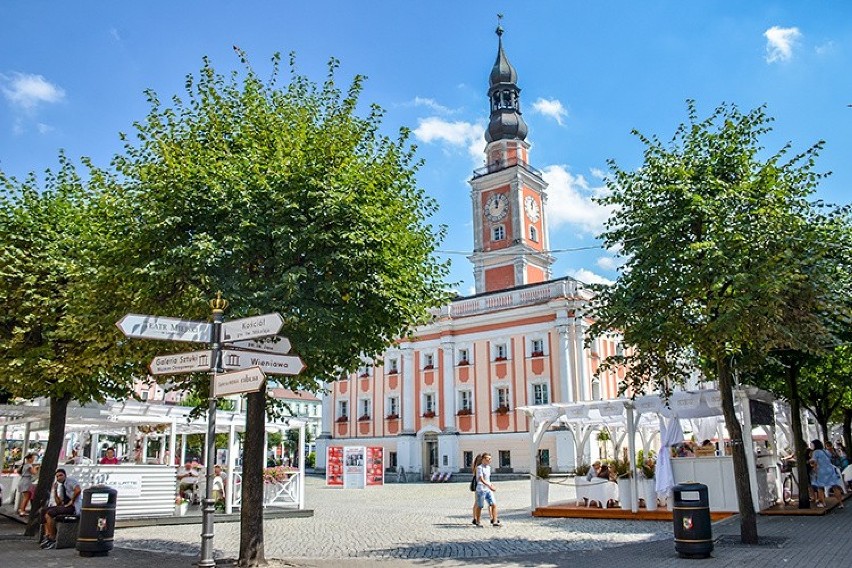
(28, 471)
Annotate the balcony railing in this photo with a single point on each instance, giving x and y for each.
(502, 165)
(533, 294)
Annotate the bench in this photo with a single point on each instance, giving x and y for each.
(66, 530)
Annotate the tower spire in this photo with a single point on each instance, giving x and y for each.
(503, 92)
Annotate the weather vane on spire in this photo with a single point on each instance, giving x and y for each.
(499, 21)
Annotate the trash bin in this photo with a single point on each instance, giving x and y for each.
(693, 533)
(97, 521)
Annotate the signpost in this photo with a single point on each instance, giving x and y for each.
(240, 334)
(249, 328)
(178, 363)
(169, 329)
(275, 344)
(238, 382)
(269, 363)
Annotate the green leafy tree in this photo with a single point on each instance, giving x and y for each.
(46, 233)
(283, 197)
(714, 272)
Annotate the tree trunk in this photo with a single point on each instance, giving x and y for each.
(799, 445)
(847, 431)
(748, 518)
(49, 461)
(251, 511)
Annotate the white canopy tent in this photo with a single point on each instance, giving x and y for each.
(646, 415)
(122, 418)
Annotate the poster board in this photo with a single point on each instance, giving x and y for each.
(375, 465)
(354, 467)
(334, 466)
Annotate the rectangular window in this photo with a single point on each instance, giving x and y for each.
(537, 347)
(544, 458)
(465, 400)
(393, 405)
(498, 233)
(500, 352)
(503, 397)
(392, 460)
(393, 366)
(464, 357)
(505, 458)
(429, 403)
(342, 408)
(364, 370)
(540, 394)
(144, 396)
(365, 407)
(467, 459)
(619, 349)
(428, 361)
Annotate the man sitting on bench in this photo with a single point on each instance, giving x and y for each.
(67, 494)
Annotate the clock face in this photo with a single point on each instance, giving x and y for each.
(497, 207)
(532, 209)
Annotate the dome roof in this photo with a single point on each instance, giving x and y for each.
(502, 72)
(506, 126)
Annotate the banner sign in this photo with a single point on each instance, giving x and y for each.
(334, 466)
(375, 465)
(354, 471)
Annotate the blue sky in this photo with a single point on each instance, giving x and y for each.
(72, 76)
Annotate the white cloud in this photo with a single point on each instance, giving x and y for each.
(552, 108)
(826, 48)
(607, 262)
(569, 201)
(589, 277)
(430, 103)
(44, 128)
(27, 91)
(780, 42)
(458, 134)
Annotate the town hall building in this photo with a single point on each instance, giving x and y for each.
(450, 391)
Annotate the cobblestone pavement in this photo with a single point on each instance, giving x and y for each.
(426, 526)
(415, 521)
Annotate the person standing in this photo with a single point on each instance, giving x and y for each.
(477, 511)
(25, 485)
(826, 476)
(485, 492)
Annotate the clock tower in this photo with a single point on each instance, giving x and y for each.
(510, 230)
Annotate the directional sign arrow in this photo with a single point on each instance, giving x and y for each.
(248, 380)
(271, 364)
(276, 344)
(250, 328)
(181, 363)
(170, 329)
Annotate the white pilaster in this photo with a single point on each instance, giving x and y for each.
(448, 376)
(580, 356)
(407, 388)
(565, 379)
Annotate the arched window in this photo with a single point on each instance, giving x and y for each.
(596, 390)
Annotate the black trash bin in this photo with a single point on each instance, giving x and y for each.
(97, 521)
(693, 533)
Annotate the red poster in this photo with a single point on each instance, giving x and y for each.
(334, 466)
(375, 466)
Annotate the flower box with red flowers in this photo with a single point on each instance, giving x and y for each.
(393, 372)
(464, 362)
(464, 412)
(429, 414)
(363, 417)
(502, 410)
(343, 419)
(428, 367)
(392, 417)
(538, 353)
(498, 359)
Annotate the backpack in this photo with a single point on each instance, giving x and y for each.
(473, 483)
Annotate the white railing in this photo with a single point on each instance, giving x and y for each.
(566, 288)
(275, 493)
